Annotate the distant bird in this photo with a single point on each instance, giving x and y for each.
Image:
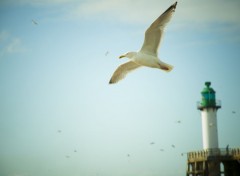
(152, 143)
(34, 22)
(161, 150)
(59, 131)
(128, 155)
(182, 154)
(106, 53)
(234, 112)
(173, 146)
(179, 121)
(75, 151)
(148, 54)
(67, 156)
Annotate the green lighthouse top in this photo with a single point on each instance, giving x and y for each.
(208, 89)
(208, 98)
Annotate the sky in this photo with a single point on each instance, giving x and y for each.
(60, 117)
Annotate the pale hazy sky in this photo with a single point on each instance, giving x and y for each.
(54, 76)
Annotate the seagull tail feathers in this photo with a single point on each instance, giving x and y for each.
(165, 67)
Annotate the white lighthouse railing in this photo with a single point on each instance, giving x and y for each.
(204, 154)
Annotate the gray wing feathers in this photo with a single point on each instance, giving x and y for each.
(155, 31)
(122, 71)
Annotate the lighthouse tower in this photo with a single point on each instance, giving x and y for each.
(208, 107)
(212, 160)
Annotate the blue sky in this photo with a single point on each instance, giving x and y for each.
(54, 76)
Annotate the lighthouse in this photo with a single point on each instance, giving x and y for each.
(212, 160)
(208, 107)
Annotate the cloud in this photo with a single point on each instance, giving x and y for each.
(130, 11)
(38, 2)
(14, 46)
(194, 11)
(210, 11)
(142, 11)
(10, 44)
(188, 13)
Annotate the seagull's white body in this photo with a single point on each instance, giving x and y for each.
(148, 55)
(151, 61)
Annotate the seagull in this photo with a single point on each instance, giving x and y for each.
(179, 121)
(182, 154)
(173, 146)
(34, 22)
(152, 143)
(148, 54)
(106, 53)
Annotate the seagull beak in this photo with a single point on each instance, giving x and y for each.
(120, 57)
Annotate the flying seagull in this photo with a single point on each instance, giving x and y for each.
(148, 54)
(106, 53)
(179, 121)
(34, 22)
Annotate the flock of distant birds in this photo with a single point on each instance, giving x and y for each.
(75, 151)
(151, 143)
(128, 155)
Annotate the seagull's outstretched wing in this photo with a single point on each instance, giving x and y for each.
(122, 71)
(154, 33)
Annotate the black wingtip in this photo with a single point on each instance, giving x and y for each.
(172, 7)
(112, 81)
(175, 4)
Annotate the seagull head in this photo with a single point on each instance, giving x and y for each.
(129, 55)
